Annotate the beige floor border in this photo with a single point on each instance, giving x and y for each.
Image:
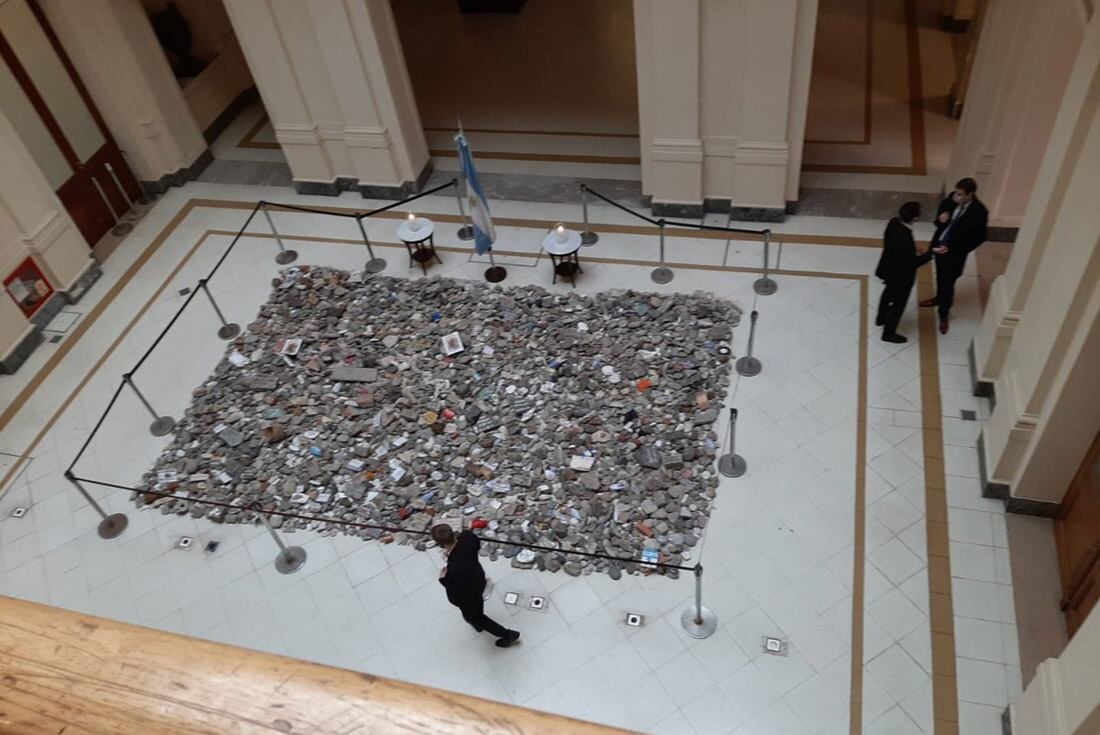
(944, 689)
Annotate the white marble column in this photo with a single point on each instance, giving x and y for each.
(1048, 398)
(333, 80)
(117, 56)
(33, 222)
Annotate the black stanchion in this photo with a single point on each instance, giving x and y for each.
(466, 232)
(290, 558)
(699, 621)
(765, 286)
(162, 425)
(228, 330)
(284, 257)
(661, 274)
(588, 237)
(748, 366)
(374, 265)
(732, 464)
(111, 525)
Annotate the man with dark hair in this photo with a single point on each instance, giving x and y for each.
(960, 227)
(464, 580)
(897, 267)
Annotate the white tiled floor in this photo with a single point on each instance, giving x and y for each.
(778, 553)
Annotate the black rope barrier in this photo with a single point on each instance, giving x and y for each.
(626, 209)
(310, 210)
(95, 429)
(673, 223)
(371, 526)
(441, 187)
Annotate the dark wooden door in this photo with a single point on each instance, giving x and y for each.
(57, 120)
(1077, 529)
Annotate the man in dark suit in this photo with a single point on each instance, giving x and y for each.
(464, 580)
(897, 267)
(960, 227)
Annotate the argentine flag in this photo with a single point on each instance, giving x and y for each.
(484, 234)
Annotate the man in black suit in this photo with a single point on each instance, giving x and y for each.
(464, 580)
(897, 267)
(960, 227)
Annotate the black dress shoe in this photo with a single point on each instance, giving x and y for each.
(509, 639)
(895, 338)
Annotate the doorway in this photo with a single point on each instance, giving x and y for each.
(549, 89)
(1077, 530)
(57, 120)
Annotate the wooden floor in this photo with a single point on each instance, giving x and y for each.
(62, 672)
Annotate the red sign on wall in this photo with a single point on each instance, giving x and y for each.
(28, 287)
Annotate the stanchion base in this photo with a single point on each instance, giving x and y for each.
(162, 426)
(113, 525)
(122, 228)
(748, 366)
(465, 233)
(291, 560)
(732, 465)
(286, 257)
(661, 275)
(375, 265)
(588, 237)
(495, 274)
(703, 627)
(229, 331)
(765, 286)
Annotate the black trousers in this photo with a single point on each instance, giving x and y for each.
(473, 612)
(892, 304)
(948, 270)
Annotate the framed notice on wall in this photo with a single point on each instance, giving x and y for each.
(28, 287)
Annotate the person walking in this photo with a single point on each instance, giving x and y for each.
(961, 226)
(897, 267)
(464, 580)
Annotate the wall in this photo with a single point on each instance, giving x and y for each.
(1064, 696)
(722, 91)
(212, 92)
(333, 79)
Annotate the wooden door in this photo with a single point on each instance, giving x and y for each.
(1077, 529)
(57, 120)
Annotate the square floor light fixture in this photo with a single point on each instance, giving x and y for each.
(19, 513)
(537, 603)
(634, 620)
(212, 546)
(775, 646)
(511, 598)
(184, 542)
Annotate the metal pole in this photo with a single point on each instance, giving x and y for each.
(765, 286)
(661, 274)
(466, 232)
(732, 464)
(284, 257)
(729, 237)
(134, 214)
(494, 273)
(588, 237)
(228, 330)
(162, 425)
(110, 525)
(748, 366)
(699, 621)
(374, 265)
(290, 558)
(120, 228)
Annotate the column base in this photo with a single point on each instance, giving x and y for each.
(22, 350)
(180, 177)
(981, 388)
(990, 488)
(80, 286)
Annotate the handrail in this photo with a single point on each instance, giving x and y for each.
(68, 672)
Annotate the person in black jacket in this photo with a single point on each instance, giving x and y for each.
(961, 222)
(464, 580)
(897, 267)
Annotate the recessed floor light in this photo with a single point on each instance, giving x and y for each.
(775, 646)
(635, 620)
(511, 598)
(537, 603)
(211, 546)
(184, 542)
(19, 513)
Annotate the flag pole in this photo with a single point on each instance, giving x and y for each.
(494, 273)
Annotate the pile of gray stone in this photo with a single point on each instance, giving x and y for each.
(559, 420)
